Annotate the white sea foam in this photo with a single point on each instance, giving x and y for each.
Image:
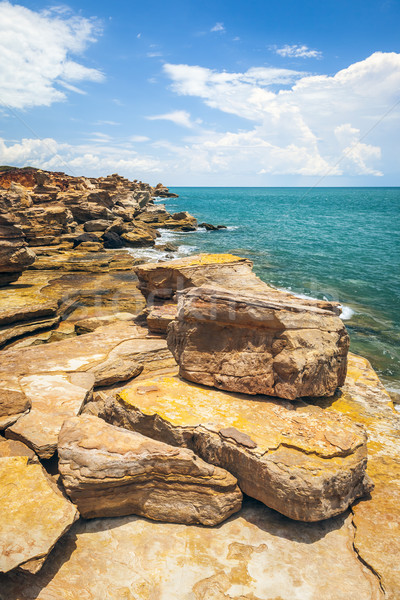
(347, 312)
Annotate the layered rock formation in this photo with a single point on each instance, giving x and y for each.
(257, 343)
(75, 320)
(109, 472)
(15, 257)
(303, 462)
(55, 209)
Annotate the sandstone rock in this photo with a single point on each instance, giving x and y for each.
(92, 323)
(85, 237)
(15, 257)
(377, 521)
(139, 235)
(100, 225)
(251, 343)
(10, 448)
(114, 352)
(43, 297)
(44, 225)
(112, 240)
(34, 514)
(307, 463)
(181, 221)
(13, 402)
(160, 316)
(54, 398)
(163, 280)
(108, 471)
(255, 555)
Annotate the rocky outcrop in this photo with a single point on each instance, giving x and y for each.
(15, 257)
(43, 297)
(34, 514)
(304, 462)
(108, 471)
(53, 209)
(254, 344)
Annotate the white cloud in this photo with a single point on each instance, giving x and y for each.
(154, 54)
(179, 117)
(218, 27)
(36, 49)
(302, 124)
(93, 159)
(297, 51)
(139, 138)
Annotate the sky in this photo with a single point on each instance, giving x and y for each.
(204, 93)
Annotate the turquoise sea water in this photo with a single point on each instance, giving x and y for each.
(336, 243)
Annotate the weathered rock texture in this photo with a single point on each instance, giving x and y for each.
(13, 402)
(42, 298)
(114, 352)
(253, 343)
(57, 378)
(108, 471)
(255, 555)
(377, 521)
(163, 280)
(55, 209)
(304, 462)
(33, 513)
(54, 398)
(15, 257)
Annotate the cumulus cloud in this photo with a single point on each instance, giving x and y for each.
(37, 49)
(314, 125)
(88, 159)
(297, 51)
(218, 27)
(179, 117)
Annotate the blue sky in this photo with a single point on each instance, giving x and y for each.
(252, 93)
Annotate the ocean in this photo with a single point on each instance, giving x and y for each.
(330, 243)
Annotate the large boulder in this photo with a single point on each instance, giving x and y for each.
(108, 472)
(306, 463)
(255, 344)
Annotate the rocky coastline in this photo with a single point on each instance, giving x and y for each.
(177, 429)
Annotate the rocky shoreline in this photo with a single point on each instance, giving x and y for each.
(177, 429)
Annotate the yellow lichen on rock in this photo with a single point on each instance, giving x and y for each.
(300, 460)
(376, 520)
(33, 514)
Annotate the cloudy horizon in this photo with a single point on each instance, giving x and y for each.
(214, 107)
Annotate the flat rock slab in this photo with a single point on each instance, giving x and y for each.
(33, 513)
(377, 521)
(255, 555)
(108, 471)
(112, 353)
(41, 298)
(304, 462)
(256, 344)
(54, 397)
